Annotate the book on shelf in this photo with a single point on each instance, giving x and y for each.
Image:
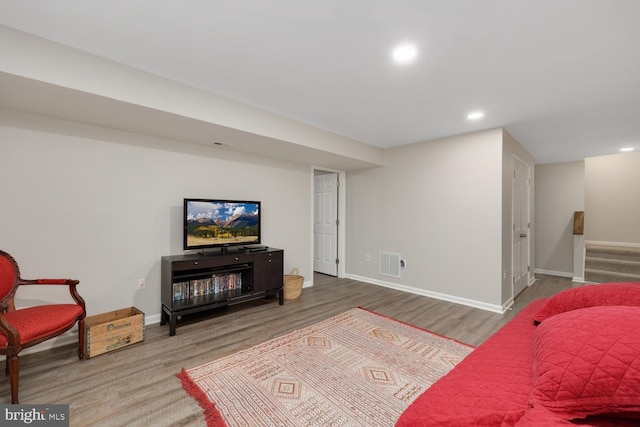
(180, 291)
(217, 283)
(200, 287)
(226, 282)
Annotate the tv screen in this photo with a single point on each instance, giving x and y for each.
(210, 223)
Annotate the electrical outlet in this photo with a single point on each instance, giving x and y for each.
(141, 284)
(367, 257)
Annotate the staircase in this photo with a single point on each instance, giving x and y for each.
(604, 264)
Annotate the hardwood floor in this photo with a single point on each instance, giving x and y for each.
(137, 386)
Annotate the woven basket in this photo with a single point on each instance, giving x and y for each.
(292, 285)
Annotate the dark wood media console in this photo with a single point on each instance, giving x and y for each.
(194, 283)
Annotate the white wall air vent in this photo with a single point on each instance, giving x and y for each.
(390, 264)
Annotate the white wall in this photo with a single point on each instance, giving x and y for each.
(560, 191)
(438, 204)
(104, 213)
(612, 199)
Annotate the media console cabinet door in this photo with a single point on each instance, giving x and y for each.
(268, 270)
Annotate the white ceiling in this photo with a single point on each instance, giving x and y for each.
(562, 76)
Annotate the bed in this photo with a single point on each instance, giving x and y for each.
(572, 359)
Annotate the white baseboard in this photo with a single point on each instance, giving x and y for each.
(560, 274)
(436, 295)
(151, 320)
(618, 244)
(553, 272)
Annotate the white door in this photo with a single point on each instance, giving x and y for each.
(325, 223)
(521, 226)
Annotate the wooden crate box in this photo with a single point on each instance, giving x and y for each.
(113, 330)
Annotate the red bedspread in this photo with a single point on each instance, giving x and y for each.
(489, 388)
(586, 363)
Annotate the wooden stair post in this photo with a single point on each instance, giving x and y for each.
(578, 247)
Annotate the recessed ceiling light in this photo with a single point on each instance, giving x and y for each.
(626, 149)
(405, 53)
(475, 115)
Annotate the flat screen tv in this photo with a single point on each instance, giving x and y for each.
(219, 223)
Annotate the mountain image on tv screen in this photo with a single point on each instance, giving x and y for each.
(211, 223)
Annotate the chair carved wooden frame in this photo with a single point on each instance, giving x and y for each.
(26, 327)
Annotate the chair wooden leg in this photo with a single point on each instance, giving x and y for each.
(14, 368)
(6, 365)
(81, 343)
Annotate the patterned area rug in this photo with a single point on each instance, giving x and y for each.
(355, 369)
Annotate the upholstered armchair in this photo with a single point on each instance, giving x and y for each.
(26, 327)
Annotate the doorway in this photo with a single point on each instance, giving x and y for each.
(326, 187)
